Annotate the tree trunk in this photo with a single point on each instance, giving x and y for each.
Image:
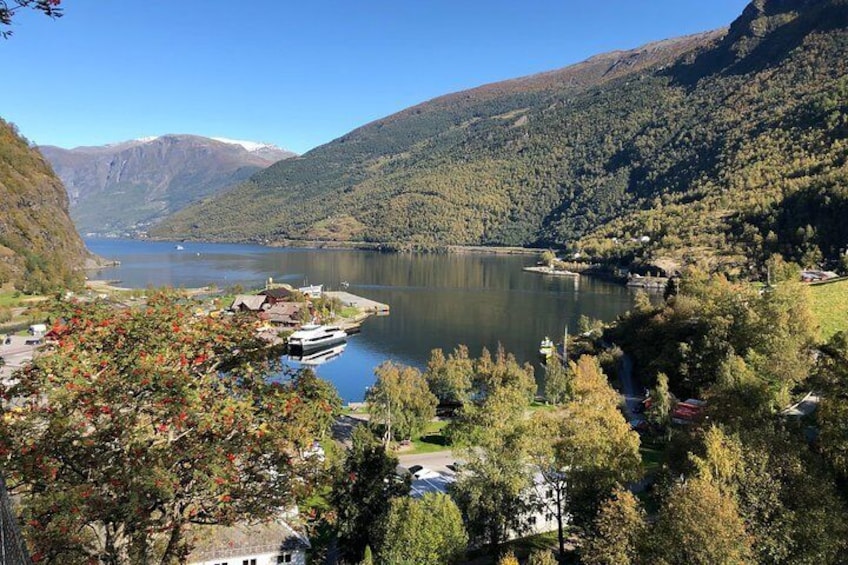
(494, 538)
(173, 543)
(560, 534)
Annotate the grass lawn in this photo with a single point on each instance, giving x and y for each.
(830, 306)
(11, 298)
(539, 405)
(652, 456)
(349, 312)
(431, 440)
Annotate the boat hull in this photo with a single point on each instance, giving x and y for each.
(314, 345)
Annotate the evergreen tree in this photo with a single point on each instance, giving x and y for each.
(362, 494)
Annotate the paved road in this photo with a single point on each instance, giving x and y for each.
(631, 387)
(437, 461)
(803, 407)
(15, 354)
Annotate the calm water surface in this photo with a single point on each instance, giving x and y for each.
(436, 300)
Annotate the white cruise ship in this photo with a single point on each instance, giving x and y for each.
(313, 336)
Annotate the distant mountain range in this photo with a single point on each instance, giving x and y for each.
(39, 248)
(127, 187)
(719, 148)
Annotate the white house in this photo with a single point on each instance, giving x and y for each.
(541, 496)
(269, 543)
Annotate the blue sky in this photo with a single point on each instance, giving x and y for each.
(297, 74)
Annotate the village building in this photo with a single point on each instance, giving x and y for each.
(541, 496)
(286, 314)
(248, 303)
(269, 543)
(277, 294)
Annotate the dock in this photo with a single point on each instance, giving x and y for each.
(358, 302)
(550, 271)
(655, 284)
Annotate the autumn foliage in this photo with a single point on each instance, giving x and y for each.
(141, 422)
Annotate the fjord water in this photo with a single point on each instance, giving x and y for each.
(480, 300)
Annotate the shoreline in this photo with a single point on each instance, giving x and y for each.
(358, 245)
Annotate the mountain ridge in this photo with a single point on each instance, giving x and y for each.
(669, 141)
(39, 248)
(130, 185)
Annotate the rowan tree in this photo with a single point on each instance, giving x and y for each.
(8, 9)
(140, 423)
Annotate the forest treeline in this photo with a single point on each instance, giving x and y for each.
(39, 248)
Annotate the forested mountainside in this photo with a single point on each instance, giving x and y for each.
(128, 186)
(719, 146)
(39, 248)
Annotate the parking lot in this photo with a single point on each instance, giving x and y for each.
(15, 354)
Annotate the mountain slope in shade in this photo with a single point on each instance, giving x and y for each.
(713, 148)
(127, 186)
(39, 248)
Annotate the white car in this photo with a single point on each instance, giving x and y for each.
(418, 472)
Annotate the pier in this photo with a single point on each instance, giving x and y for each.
(358, 302)
(550, 271)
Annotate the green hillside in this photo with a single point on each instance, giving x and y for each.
(830, 306)
(39, 248)
(717, 147)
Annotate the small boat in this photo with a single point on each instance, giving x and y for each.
(547, 348)
(314, 336)
(179, 247)
(320, 356)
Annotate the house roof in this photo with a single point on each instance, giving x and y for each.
(249, 301)
(277, 293)
(221, 542)
(284, 311)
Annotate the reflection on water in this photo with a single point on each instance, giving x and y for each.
(318, 357)
(436, 300)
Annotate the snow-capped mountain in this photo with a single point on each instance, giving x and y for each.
(130, 185)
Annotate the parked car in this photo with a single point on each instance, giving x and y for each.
(419, 472)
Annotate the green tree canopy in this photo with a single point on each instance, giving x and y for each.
(363, 490)
(491, 435)
(659, 412)
(557, 381)
(617, 532)
(698, 525)
(450, 378)
(400, 401)
(428, 531)
(585, 449)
